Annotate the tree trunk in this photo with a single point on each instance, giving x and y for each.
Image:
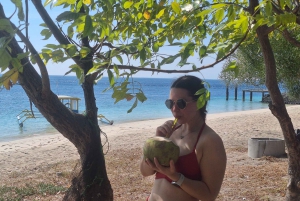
(278, 109)
(82, 130)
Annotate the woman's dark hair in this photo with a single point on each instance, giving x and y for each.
(192, 84)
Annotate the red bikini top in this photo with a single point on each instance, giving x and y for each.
(186, 164)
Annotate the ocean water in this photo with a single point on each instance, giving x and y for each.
(156, 89)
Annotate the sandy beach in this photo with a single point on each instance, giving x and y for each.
(26, 156)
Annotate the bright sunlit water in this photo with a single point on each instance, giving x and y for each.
(156, 89)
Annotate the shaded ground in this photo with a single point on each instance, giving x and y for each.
(260, 179)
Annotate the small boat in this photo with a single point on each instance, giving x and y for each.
(69, 101)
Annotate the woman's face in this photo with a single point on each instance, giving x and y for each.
(187, 114)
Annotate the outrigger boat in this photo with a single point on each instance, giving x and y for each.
(69, 101)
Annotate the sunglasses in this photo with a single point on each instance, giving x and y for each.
(181, 103)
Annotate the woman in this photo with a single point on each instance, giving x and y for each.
(199, 171)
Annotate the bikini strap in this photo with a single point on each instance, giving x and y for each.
(199, 134)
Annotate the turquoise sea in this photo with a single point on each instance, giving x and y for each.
(156, 89)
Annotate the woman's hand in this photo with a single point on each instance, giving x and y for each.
(166, 129)
(168, 171)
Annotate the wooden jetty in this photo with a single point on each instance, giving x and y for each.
(251, 91)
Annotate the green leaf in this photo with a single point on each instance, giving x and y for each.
(202, 30)
(97, 67)
(111, 77)
(201, 101)
(160, 13)
(17, 64)
(220, 54)
(188, 51)
(169, 59)
(140, 15)
(60, 2)
(14, 77)
(5, 79)
(207, 95)
(176, 7)
(282, 3)
(155, 47)
(232, 67)
(116, 69)
(128, 4)
(204, 13)
(137, 5)
(57, 55)
(242, 23)
(219, 15)
(120, 59)
(47, 33)
(23, 55)
(84, 52)
(119, 93)
(4, 41)
(88, 26)
(68, 15)
(268, 8)
(231, 13)
(6, 26)
(52, 46)
(142, 55)
(70, 31)
(133, 106)
(200, 92)
(141, 97)
(5, 58)
(19, 5)
(176, 44)
(202, 51)
(72, 50)
(47, 51)
(47, 2)
(87, 2)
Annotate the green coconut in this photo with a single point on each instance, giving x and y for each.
(163, 149)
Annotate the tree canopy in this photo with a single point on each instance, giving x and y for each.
(250, 64)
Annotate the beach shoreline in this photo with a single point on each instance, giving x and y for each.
(49, 141)
(53, 131)
(235, 128)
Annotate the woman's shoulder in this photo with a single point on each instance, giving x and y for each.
(209, 136)
(210, 144)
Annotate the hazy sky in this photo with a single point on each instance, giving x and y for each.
(60, 69)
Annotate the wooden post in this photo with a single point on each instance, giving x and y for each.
(227, 92)
(243, 95)
(235, 93)
(250, 95)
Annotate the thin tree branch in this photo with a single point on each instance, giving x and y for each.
(54, 29)
(26, 20)
(288, 36)
(48, 20)
(41, 65)
(39, 61)
(234, 4)
(279, 11)
(66, 36)
(126, 67)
